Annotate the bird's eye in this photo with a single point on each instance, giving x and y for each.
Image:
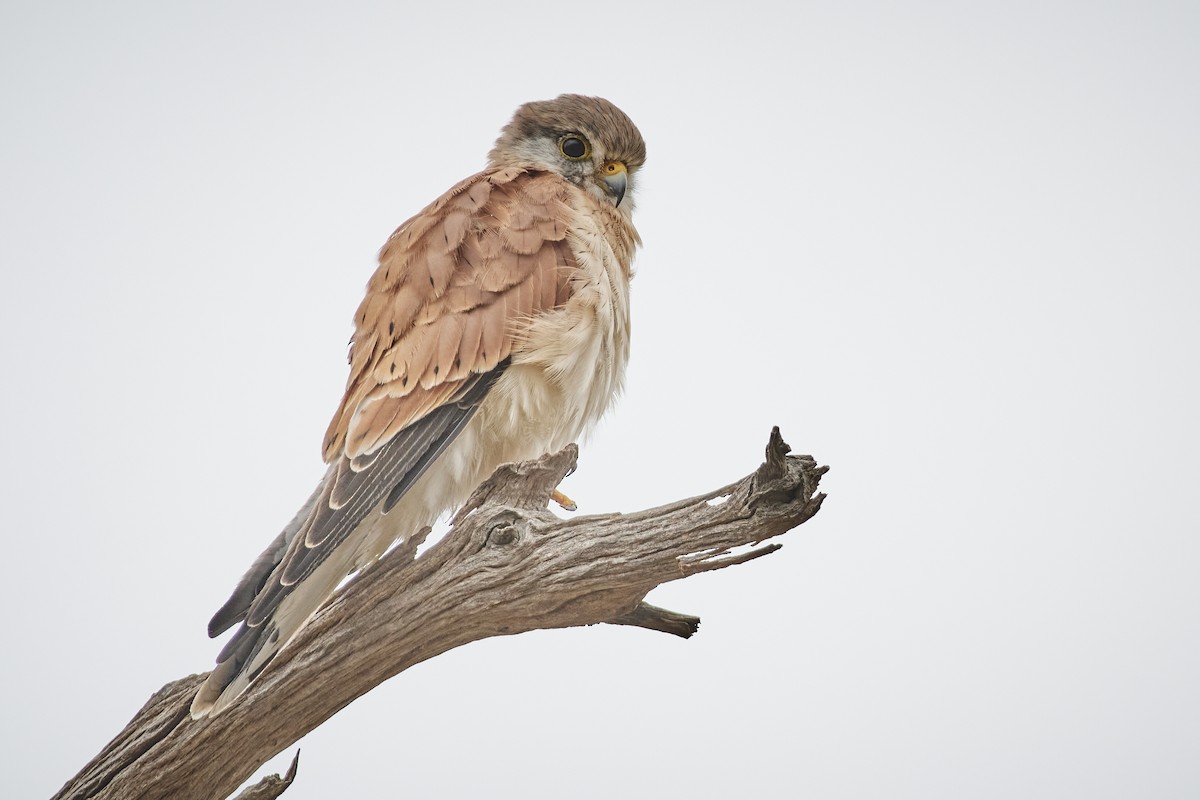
(573, 147)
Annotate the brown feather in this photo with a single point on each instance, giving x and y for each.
(468, 345)
(406, 302)
(474, 197)
(454, 230)
(455, 287)
(464, 298)
(440, 266)
(396, 413)
(491, 248)
(372, 414)
(525, 242)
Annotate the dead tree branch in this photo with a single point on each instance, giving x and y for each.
(507, 566)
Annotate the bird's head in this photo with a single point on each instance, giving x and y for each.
(587, 140)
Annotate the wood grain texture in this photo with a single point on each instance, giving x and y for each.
(507, 566)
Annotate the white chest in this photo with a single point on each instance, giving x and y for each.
(570, 364)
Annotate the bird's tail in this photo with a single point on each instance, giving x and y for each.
(338, 530)
(251, 649)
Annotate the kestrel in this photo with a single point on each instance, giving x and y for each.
(495, 329)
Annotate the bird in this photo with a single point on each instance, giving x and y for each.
(494, 329)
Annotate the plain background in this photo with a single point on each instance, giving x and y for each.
(950, 248)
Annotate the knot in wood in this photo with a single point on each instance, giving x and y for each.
(504, 528)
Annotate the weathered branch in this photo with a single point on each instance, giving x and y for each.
(271, 786)
(507, 566)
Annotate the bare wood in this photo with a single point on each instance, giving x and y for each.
(271, 786)
(507, 566)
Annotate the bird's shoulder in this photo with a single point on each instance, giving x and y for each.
(453, 287)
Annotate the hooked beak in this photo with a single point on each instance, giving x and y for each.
(616, 179)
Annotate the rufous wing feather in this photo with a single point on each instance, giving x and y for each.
(454, 288)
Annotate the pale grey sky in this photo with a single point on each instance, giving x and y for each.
(952, 249)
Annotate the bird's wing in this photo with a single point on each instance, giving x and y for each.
(455, 287)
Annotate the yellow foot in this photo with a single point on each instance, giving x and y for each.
(567, 503)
